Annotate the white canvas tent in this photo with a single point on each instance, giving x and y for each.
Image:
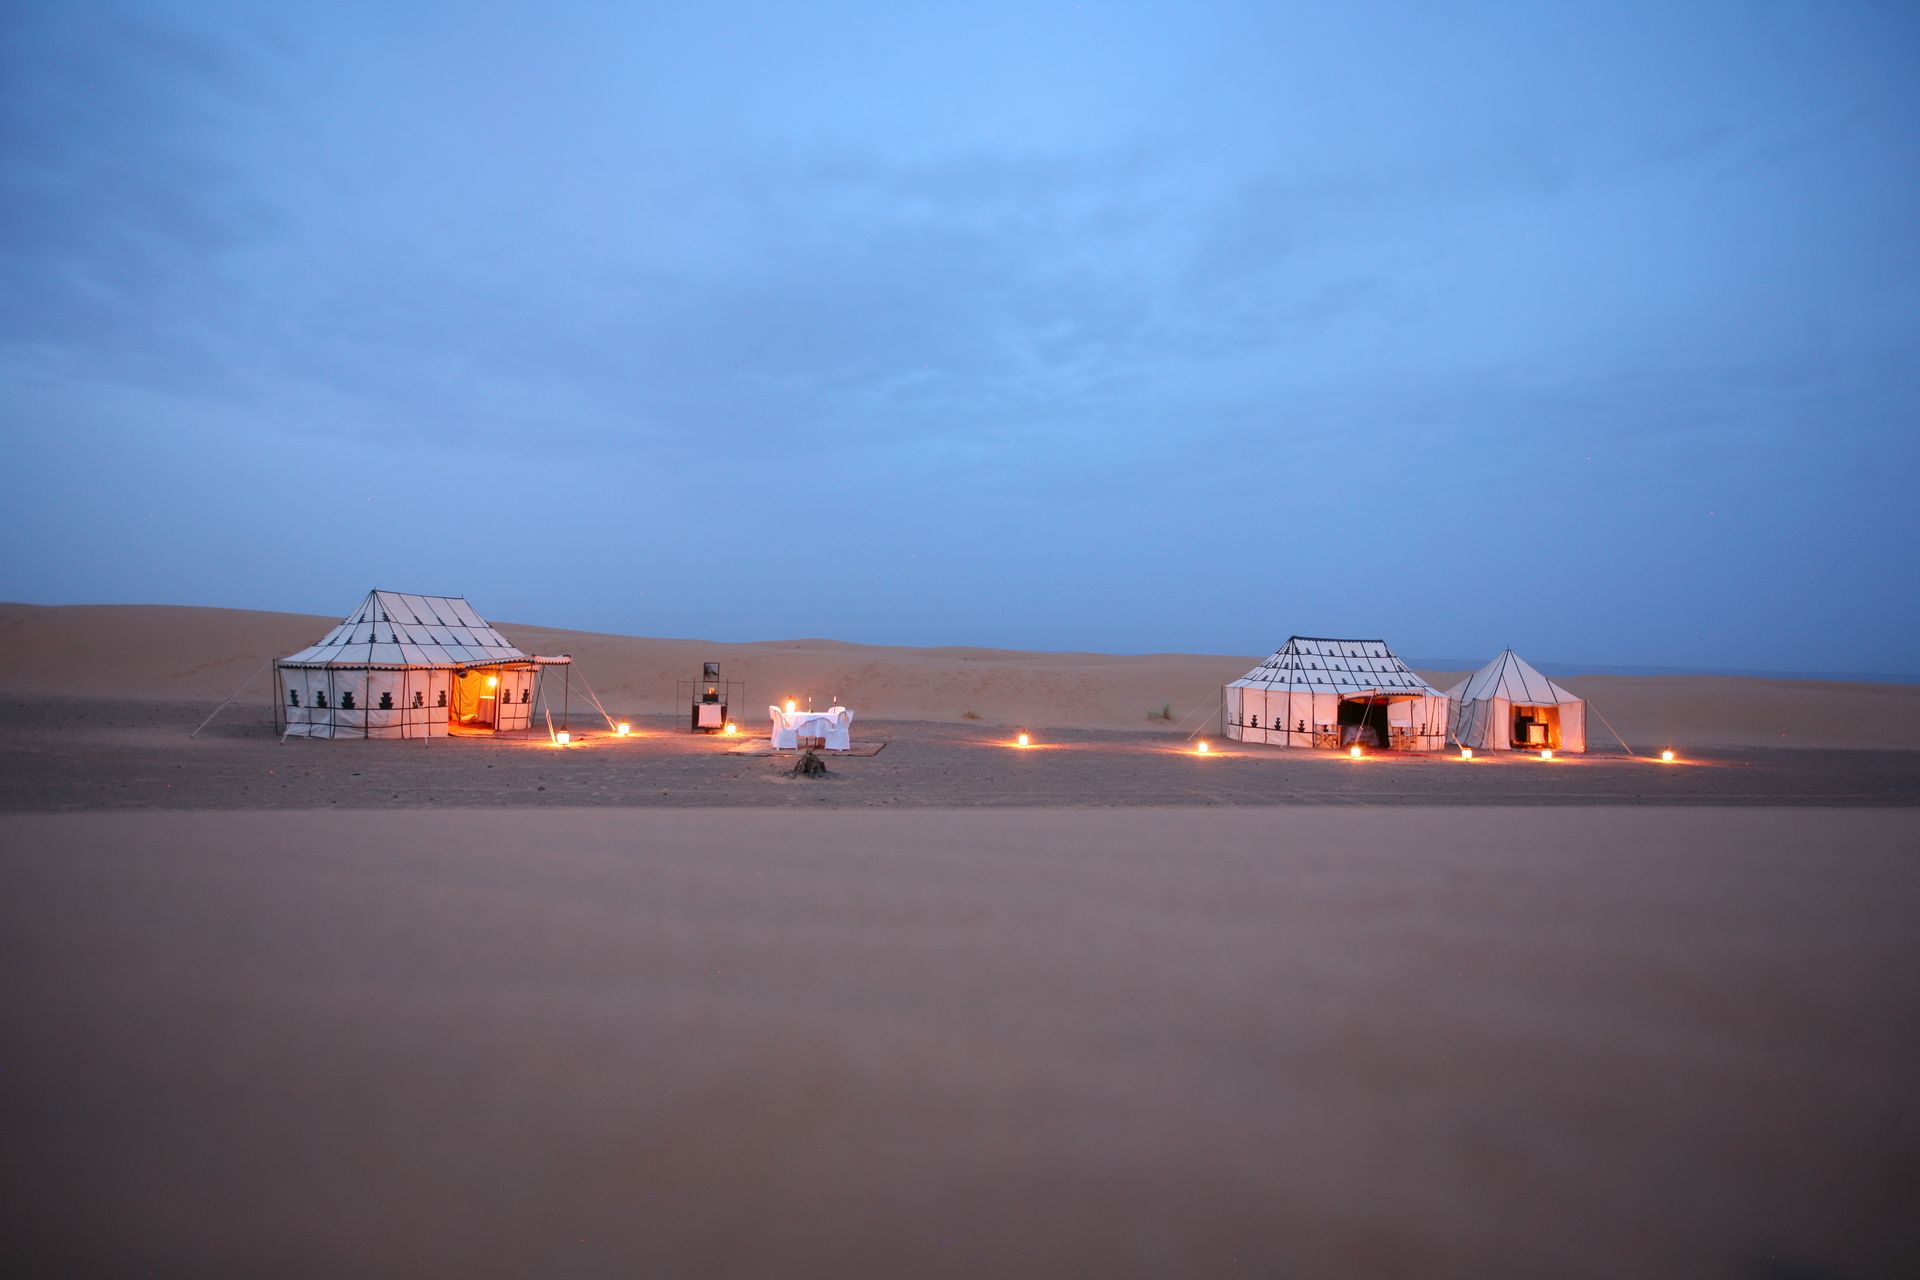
(1321, 692)
(1508, 704)
(407, 666)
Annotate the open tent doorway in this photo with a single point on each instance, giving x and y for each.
(476, 700)
(1536, 727)
(1363, 722)
(493, 699)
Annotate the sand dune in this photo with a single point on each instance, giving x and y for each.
(178, 653)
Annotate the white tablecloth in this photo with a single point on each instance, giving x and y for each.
(834, 724)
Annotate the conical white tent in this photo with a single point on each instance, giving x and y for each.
(1508, 704)
(406, 666)
(1321, 692)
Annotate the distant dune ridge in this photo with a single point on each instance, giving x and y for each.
(180, 653)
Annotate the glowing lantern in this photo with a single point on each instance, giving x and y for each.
(1466, 753)
(732, 728)
(1354, 752)
(1202, 748)
(1546, 753)
(1667, 755)
(791, 706)
(624, 729)
(563, 737)
(1023, 740)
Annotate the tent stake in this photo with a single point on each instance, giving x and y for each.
(236, 693)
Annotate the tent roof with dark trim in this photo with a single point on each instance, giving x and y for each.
(397, 629)
(1323, 664)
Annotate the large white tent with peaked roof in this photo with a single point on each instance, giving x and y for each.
(1508, 703)
(407, 666)
(1322, 692)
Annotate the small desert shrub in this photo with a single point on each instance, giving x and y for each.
(809, 765)
(969, 715)
(1163, 712)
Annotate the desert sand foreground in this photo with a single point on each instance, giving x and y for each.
(1407, 1042)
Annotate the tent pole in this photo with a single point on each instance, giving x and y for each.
(566, 695)
(236, 693)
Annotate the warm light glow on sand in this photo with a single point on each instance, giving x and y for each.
(1667, 755)
(623, 729)
(1202, 748)
(1353, 752)
(563, 737)
(732, 728)
(792, 706)
(1466, 753)
(1023, 741)
(1546, 753)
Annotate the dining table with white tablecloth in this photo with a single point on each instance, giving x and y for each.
(834, 726)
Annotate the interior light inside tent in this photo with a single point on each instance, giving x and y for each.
(1024, 740)
(492, 681)
(1202, 748)
(1354, 752)
(1667, 755)
(792, 706)
(623, 729)
(563, 737)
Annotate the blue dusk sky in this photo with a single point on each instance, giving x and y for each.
(1589, 329)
